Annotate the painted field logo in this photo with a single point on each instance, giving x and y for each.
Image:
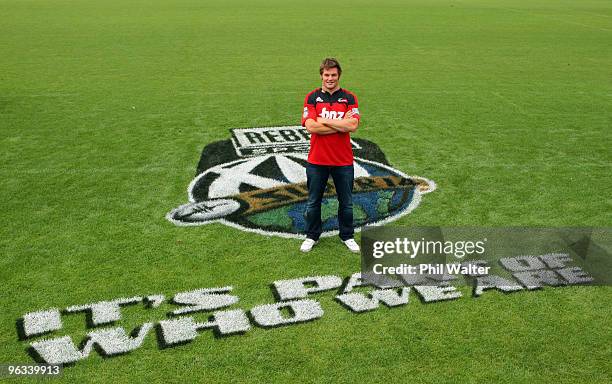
(257, 182)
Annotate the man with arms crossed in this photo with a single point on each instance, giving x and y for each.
(330, 115)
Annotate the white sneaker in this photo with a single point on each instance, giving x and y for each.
(307, 245)
(352, 245)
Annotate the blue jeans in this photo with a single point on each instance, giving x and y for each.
(316, 180)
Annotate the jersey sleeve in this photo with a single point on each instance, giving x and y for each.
(354, 107)
(310, 110)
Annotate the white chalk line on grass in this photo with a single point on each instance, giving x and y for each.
(595, 14)
(405, 91)
(48, 94)
(554, 18)
(369, 92)
(515, 105)
(93, 171)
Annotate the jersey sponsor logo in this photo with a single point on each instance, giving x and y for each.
(331, 114)
(319, 99)
(256, 181)
(342, 100)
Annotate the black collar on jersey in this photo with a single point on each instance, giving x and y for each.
(340, 96)
(331, 94)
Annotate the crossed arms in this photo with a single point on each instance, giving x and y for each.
(328, 126)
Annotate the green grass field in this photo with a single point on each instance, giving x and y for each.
(105, 107)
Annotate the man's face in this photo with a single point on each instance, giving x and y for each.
(330, 79)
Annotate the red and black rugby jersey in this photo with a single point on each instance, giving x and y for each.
(333, 149)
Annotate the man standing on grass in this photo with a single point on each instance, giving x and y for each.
(330, 115)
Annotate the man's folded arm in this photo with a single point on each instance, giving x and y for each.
(317, 128)
(344, 125)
